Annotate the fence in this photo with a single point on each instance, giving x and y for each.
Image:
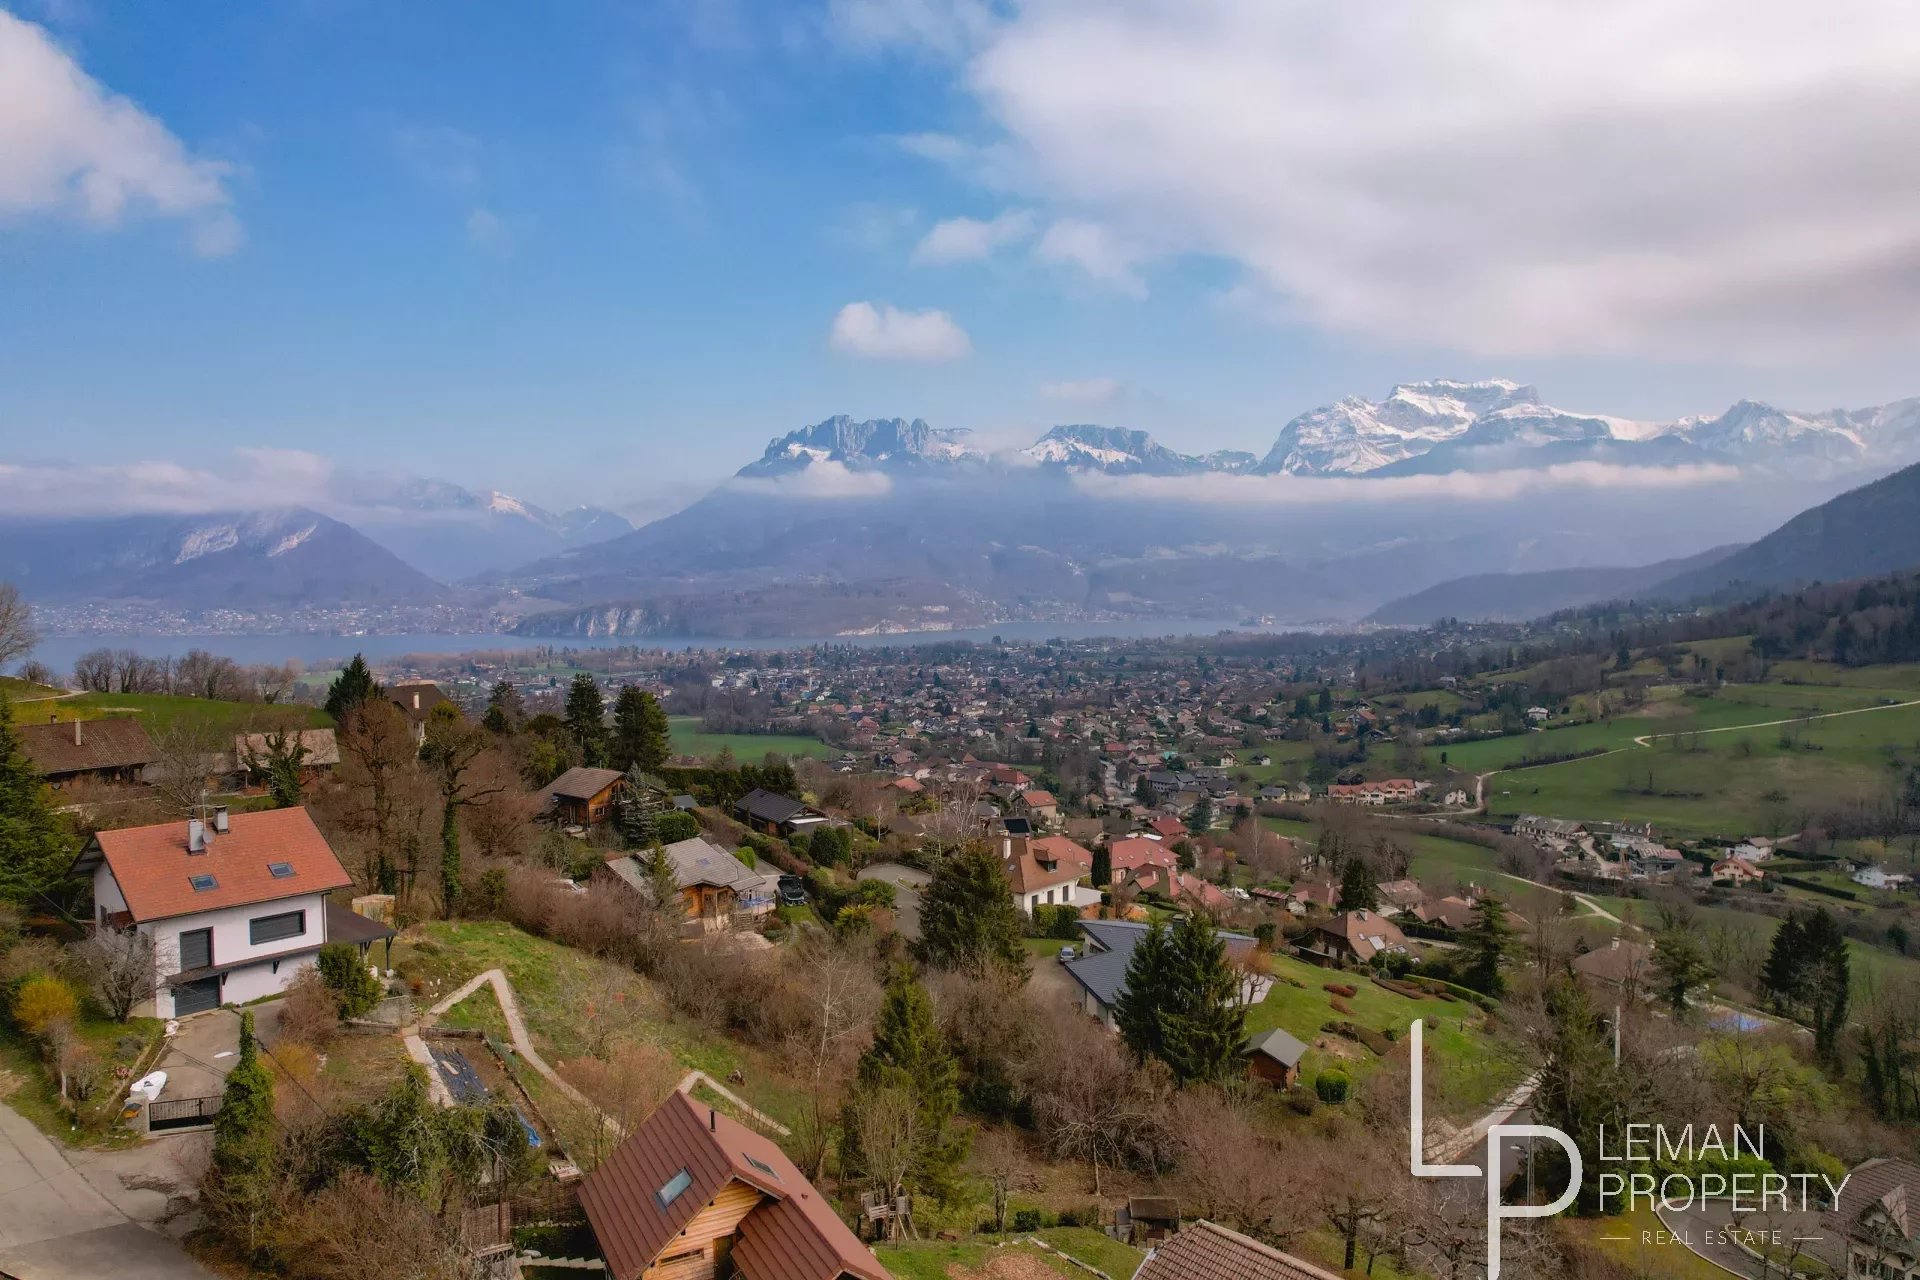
(181, 1113)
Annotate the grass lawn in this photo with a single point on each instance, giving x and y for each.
(936, 1259)
(159, 710)
(1045, 948)
(1643, 1246)
(32, 1091)
(18, 690)
(689, 739)
(1470, 1073)
(556, 986)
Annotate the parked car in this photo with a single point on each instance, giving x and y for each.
(1066, 954)
(793, 891)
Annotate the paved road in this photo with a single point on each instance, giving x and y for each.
(57, 1225)
(907, 884)
(1701, 1230)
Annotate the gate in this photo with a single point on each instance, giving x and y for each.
(181, 1113)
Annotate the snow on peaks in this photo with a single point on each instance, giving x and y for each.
(507, 505)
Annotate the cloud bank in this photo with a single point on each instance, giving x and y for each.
(1220, 489)
(1667, 178)
(70, 148)
(883, 332)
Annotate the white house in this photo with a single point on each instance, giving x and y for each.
(1046, 871)
(235, 906)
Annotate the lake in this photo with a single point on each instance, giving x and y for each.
(59, 652)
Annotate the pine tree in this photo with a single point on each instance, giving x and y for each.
(641, 807)
(1359, 889)
(639, 731)
(505, 711)
(909, 1053)
(1137, 1013)
(586, 720)
(353, 686)
(1484, 945)
(1102, 867)
(1680, 963)
(1205, 1033)
(243, 1141)
(967, 916)
(1200, 817)
(1783, 976)
(36, 847)
(1827, 990)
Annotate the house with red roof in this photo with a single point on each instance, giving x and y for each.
(235, 906)
(1130, 855)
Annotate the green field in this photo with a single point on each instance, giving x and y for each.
(158, 710)
(937, 1259)
(1728, 783)
(689, 739)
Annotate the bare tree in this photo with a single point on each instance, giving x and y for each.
(120, 968)
(1228, 1171)
(1090, 1103)
(379, 770)
(93, 671)
(838, 998)
(887, 1132)
(622, 1087)
(1000, 1159)
(17, 633)
(189, 755)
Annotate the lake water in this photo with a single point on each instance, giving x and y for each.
(59, 652)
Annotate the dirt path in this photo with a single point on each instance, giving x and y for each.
(523, 1045)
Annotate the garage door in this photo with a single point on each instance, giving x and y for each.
(196, 997)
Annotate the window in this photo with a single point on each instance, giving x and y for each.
(762, 1166)
(196, 949)
(280, 870)
(288, 924)
(203, 884)
(674, 1188)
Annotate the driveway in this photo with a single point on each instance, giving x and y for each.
(207, 1046)
(59, 1224)
(907, 884)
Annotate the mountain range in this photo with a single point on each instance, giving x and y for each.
(1865, 532)
(891, 524)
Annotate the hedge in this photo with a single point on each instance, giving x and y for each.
(1812, 886)
(1363, 1035)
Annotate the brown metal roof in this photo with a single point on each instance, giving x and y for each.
(581, 783)
(793, 1235)
(1207, 1251)
(81, 745)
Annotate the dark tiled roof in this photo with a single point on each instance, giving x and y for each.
(1104, 972)
(1206, 1251)
(769, 806)
(1279, 1046)
(102, 744)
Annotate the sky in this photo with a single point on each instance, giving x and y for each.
(603, 252)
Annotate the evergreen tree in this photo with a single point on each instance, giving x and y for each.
(1137, 1014)
(1808, 975)
(353, 686)
(639, 731)
(1200, 817)
(967, 916)
(663, 886)
(1181, 1002)
(586, 720)
(505, 711)
(36, 847)
(1143, 790)
(1680, 965)
(1102, 866)
(243, 1141)
(641, 807)
(1359, 889)
(1484, 945)
(1784, 974)
(910, 1054)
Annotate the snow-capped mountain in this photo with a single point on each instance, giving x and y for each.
(235, 560)
(452, 532)
(1356, 435)
(1117, 451)
(878, 444)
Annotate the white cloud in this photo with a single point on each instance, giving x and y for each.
(823, 479)
(886, 333)
(971, 239)
(1219, 489)
(70, 147)
(1082, 390)
(1675, 178)
(486, 230)
(254, 478)
(1096, 250)
(942, 26)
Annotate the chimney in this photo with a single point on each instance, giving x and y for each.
(76, 733)
(196, 836)
(220, 819)
(416, 701)
(713, 1122)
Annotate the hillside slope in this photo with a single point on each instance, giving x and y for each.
(1516, 597)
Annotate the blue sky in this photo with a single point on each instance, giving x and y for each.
(596, 252)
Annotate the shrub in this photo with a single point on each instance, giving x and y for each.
(1303, 1100)
(1363, 1035)
(1057, 922)
(310, 1014)
(1028, 1219)
(1341, 1006)
(42, 1003)
(488, 895)
(676, 826)
(1085, 1216)
(344, 970)
(1340, 989)
(1332, 1085)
